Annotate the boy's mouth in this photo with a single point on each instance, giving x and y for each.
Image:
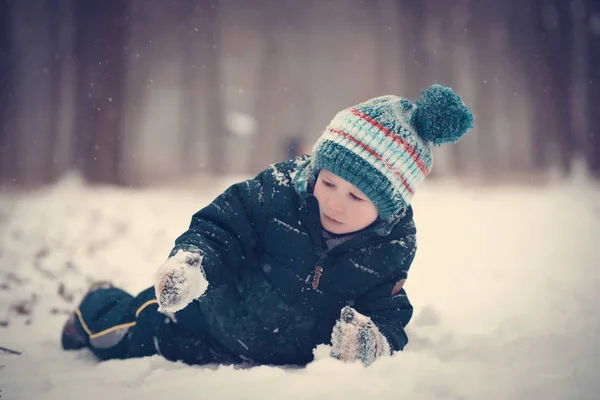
(332, 220)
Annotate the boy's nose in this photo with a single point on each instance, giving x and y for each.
(335, 205)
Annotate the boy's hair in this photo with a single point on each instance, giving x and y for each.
(383, 146)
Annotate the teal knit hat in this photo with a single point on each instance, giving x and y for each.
(383, 146)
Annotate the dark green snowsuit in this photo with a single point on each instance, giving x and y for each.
(275, 289)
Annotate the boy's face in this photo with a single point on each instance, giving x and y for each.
(343, 207)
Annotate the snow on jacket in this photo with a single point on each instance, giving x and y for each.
(275, 290)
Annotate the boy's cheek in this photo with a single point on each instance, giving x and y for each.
(398, 287)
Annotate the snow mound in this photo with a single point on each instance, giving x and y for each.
(504, 287)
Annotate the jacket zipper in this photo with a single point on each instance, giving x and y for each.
(318, 271)
(317, 276)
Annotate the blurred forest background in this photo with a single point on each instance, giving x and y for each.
(134, 92)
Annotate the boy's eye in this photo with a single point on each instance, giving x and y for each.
(328, 184)
(354, 197)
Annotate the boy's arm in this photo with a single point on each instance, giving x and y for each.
(389, 312)
(374, 326)
(224, 233)
(221, 237)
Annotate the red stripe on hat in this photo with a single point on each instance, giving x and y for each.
(374, 154)
(397, 139)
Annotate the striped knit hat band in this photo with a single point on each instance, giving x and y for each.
(384, 146)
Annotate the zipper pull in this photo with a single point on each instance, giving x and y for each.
(317, 276)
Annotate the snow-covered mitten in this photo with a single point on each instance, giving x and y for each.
(355, 337)
(179, 281)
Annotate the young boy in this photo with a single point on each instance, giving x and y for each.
(313, 250)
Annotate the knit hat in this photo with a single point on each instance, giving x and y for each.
(383, 146)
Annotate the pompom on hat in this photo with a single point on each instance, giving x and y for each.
(383, 146)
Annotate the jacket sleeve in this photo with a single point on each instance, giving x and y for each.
(389, 307)
(225, 232)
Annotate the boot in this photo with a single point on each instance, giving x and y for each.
(71, 339)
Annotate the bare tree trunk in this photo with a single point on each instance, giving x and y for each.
(267, 140)
(467, 83)
(411, 37)
(102, 34)
(521, 51)
(593, 71)
(66, 91)
(212, 94)
(458, 66)
(484, 25)
(202, 86)
(502, 119)
(52, 9)
(299, 111)
(531, 44)
(389, 51)
(553, 112)
(525, 40)
(560, 92)
(33, 73)
(194, 31)
(7, 59)
(579, 80)
(140, 64)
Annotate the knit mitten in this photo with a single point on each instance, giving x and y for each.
(179, 281)
(355, 337)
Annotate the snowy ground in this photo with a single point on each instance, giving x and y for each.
(505, 289)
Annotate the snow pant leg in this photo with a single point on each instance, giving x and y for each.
(184, 338)
(118, 325)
